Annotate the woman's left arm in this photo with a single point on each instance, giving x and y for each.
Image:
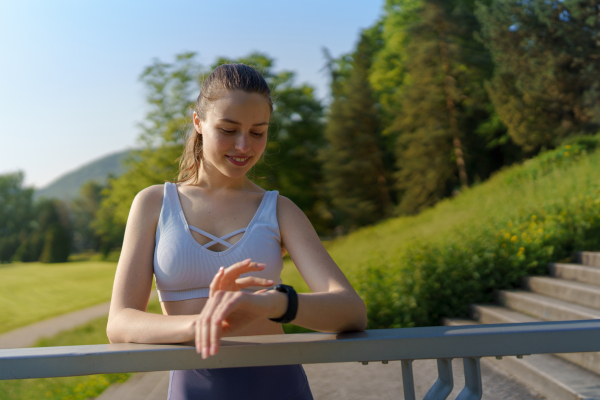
(333, 305)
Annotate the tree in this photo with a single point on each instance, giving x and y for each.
(84, 209)
(546, 83)
(353, 162)
(16, 209)
(445, 126)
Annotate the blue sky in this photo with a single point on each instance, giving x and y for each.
(69, 90)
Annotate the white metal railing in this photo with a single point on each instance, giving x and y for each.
(442, 343)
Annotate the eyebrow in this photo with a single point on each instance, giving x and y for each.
(237, 123)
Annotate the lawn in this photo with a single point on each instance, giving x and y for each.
(30, 292)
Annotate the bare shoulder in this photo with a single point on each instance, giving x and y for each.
(293, 221)
(148, 202)
(288, 211)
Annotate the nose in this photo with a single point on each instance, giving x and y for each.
(242, 142)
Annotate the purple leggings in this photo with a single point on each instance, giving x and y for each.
(286, 382)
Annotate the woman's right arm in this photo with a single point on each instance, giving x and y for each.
(128, 321)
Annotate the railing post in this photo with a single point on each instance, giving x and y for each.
(408, 382)
(442, 388)
(473, 388)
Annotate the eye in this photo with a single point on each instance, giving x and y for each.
(226, 131)
(258, 134)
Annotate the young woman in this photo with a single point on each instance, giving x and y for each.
(215, 241)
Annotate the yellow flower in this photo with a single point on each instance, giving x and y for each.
(533, 217)
(566, 154)
(567, 147)
(513, 239)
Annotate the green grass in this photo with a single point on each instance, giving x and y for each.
(414, 270)
(73, 387)
(30, 292)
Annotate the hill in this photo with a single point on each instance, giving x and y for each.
(67, 186)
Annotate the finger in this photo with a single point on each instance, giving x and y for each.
(253, 281)
(237, 269)
(216, 282)
(206, 317)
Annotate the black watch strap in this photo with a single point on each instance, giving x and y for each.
(292, 308)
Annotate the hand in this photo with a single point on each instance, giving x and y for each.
(226, 312)
(228, 279)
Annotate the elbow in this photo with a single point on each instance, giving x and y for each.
(113, 332)
(361, 316)
(358, 320)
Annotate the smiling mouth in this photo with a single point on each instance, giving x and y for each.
(239, 161)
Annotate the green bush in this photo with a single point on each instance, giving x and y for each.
(555, 210)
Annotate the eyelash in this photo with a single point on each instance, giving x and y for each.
(257, 134)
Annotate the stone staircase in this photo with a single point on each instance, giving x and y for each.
(572, 292)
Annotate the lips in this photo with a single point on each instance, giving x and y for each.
(239, 161)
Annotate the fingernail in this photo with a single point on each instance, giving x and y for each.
(221, 269)
(261, 265)
(270, 282)
(247, 259)
(204, 353)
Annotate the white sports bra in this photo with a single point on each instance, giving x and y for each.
(184, 268)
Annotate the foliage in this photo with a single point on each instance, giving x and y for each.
(353, 162)
(169, 94)
(547, 73)
(556, 213)
(388, 70)
(16, 208)
(442, 107)
(29, 231)
(83, 210)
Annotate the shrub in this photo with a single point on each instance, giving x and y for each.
(557, 213)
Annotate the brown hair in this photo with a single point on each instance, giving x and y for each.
(224, 78)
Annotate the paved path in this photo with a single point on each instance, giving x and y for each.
(350, 381)
(28, 335)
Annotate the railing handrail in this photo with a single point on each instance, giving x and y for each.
(441, 342)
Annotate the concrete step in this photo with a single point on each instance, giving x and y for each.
(575, 272)
(552, 377)
(545, 307)
(500, 315)
(574, 292)
(589, 258)
(488, 314)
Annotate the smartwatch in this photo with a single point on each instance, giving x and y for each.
(292, 308)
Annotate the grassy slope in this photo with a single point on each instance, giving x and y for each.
(508, 195)
(34, 291)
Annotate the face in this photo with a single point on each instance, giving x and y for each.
(234, 133)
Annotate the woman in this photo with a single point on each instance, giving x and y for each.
(215, 217)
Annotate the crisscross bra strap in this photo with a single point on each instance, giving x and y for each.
(215, 239)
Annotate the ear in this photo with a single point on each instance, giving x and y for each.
(197, 123)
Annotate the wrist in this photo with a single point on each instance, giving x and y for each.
(278, 303)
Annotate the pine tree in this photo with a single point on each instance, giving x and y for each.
(546, 83)
(446, 129)
(353, 162)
